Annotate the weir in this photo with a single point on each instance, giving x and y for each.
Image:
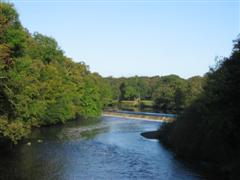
(148, 116)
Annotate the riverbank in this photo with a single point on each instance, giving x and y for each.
(151, 134)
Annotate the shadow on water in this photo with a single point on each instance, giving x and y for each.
(202, 169)
(65, 132)
(37, 158)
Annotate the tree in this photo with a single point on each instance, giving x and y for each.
(170, 94)
(209, 127)
(39, 85)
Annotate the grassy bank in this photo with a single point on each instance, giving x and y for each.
(132, 105)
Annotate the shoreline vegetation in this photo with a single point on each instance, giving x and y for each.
(165, 94)
(39, 85)
(209, 128)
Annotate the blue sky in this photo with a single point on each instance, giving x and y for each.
(126, 38)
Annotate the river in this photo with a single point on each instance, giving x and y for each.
(109, 148)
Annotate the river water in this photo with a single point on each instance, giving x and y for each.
(109, 148)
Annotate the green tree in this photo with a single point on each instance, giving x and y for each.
(38, 84)
(170, 93)
(209, 128)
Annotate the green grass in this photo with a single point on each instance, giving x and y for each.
(148, 103)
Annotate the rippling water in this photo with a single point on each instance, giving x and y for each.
(111, 148)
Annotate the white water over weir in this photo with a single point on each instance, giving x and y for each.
(147, 116)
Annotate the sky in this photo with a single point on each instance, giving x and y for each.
(137, 37)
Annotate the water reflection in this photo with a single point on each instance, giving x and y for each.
(107, 148)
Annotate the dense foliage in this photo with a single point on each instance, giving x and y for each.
(209, 129)
(169, 93)
(38, 84)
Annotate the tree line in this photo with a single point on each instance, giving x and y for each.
(209, 129)
(39, 85)
(169, 93)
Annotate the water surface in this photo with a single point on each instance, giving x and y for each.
(111, 148)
